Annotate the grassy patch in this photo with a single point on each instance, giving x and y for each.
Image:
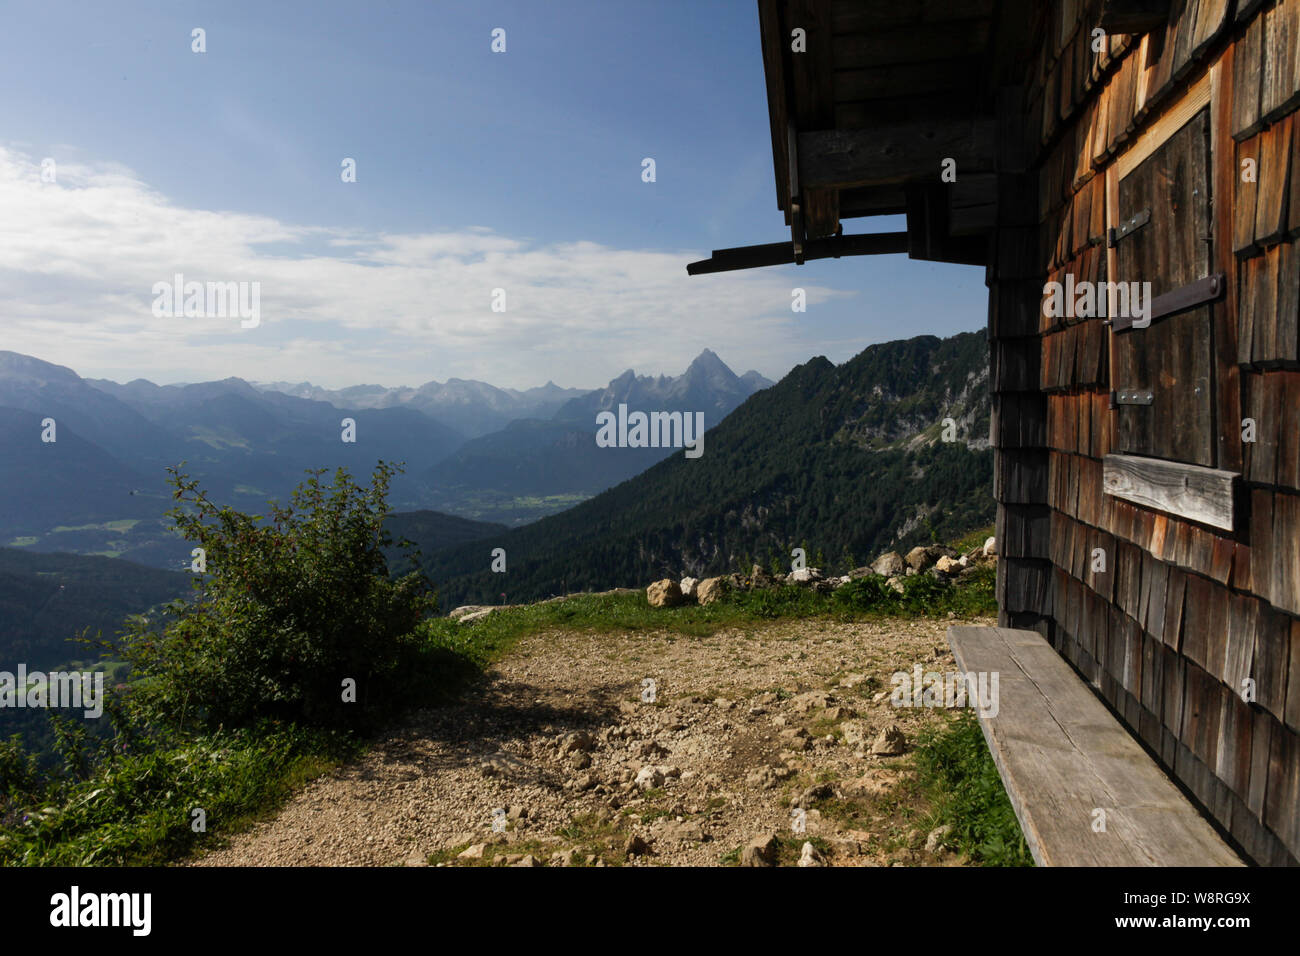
(486, 639)
(790, 848)
(975, 538)
(593, 835)
(139, 809)
(956, 773)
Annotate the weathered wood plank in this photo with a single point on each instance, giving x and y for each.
(813, 88)
(1185, 32)
(1189, 491)
(1292, 713)
(1293, 216)
(773, 42)
(1233, 750)
(907, 44)
(1161, 130)
(1211, 20)
(1280, 814)
(1263, 292)
(1224, 177)
(1200, 598)
(1287, 333)
(905, 79)
(1279, 80)
(1248, 273)
(1287, 413)
(1271, 660)
(1239, 649)
(1062, 756)
(1285, 561)
(1248, 64)
(1261, 541)
(1200, 731)
(1132, 16)
(1274, 171)
(857, 16)
(1124, 103)
(1248, 8)
(1245, 197)
(1261, 736)
(894, 153)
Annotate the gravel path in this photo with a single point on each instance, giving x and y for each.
(581, 760)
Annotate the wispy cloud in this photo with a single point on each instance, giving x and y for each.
(79, 258)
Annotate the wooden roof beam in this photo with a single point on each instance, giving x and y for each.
(893, 153)
(782, 253)
(1133, 16)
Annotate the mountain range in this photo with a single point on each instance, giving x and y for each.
(535, 467)
(844, 461)
(841, 460)
(471, 408)
(100, 486)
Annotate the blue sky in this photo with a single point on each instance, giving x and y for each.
(475, 170)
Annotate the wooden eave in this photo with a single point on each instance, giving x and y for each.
(862, 121)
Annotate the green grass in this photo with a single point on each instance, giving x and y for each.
(122, 524)
(790, 848)
(138, 810)
(484, 640)
(976, 538)
(956, 773)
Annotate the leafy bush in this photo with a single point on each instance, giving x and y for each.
(20, 773)
(866, 594)
(290, 607)
(970, 596)
(785, 600)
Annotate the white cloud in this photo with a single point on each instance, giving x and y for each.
(78, 260)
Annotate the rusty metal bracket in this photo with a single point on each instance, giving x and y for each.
(1179, 300)
(1129, 226)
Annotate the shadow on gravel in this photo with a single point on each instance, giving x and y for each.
(500, 725)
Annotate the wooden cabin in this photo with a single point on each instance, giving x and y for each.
(1148, 461)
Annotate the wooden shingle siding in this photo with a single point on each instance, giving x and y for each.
(1184, 615)
(1247, 66)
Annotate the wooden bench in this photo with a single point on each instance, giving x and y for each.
(1062, 756)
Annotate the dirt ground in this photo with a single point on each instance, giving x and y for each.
(570, 755)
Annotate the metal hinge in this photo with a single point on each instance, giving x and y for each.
(1131, 396)
(1129, 225)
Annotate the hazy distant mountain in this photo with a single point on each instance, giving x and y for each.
(249, 443)
(533, 467)
(68, 482)
(844, 460)
(707, 385)
(53, 391)
(471, 408)
(101, 487)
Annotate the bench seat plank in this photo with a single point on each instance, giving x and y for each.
(1062, 755)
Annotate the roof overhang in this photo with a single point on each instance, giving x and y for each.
(867, 99)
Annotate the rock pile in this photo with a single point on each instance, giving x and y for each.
(944, 563)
